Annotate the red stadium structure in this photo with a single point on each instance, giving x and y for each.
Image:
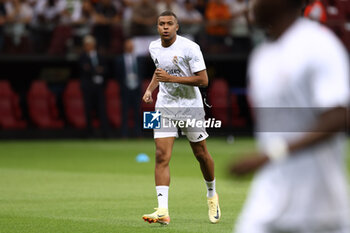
(10, 111)
(113, 103)
(42, 107)
(218, 94)
(73, 103)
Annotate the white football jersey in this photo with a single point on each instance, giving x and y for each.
(292, 81)
(183, 58)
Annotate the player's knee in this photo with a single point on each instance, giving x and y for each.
(162, 157)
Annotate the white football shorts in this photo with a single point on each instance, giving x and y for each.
(193, 134)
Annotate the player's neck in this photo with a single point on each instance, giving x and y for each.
(168, 43)
(280, 27)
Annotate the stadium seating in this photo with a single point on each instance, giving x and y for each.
(236, 117)
(218, 94)
(73, 104)
(10, 111)
(42, 107)
(113, 103)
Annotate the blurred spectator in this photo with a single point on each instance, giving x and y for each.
(171, 5)
(71, 11)
(127, 15)
(107, 16)
(239, 10)
(240, 27)
(201, 5)
(47, 14)
(84, 13)
(3, 19)
(190, 19)
(83, 20)
(92, 74)
(219, 16)
(316, 11)
(127, 71)
(20, 14)
(144, 18)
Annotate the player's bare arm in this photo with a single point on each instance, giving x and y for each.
(328, 123)
(147, 97)
(199, 79)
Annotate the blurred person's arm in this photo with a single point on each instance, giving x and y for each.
(12, 11)
(200, 78)
(239, 13)
(197, 19)
(27, 13)
(2, 19)
(100, 19)
(128, 3)
(137, 18)
(116, 18)
(328, 124)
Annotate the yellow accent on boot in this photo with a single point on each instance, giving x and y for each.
(161, 215)
(214, 212)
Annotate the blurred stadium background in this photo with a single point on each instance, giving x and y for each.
(41, 42)
(84, 186)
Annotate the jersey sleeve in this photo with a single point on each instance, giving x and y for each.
(196, 60)
(150, 50)
(330, 83)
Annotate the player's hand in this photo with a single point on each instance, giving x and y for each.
(147, 97)
(248, 164)
(162, 75)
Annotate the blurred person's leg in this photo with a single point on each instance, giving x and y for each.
(101, 110)
(88, 104)
(125, 111)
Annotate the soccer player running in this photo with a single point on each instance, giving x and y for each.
(180, 70)
(299, 87)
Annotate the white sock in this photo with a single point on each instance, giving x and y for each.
(162, 195)
(210, 188)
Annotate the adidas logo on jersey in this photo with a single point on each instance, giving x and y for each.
(156, 62)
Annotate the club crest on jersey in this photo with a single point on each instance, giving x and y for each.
(156, 62)
(175, 60)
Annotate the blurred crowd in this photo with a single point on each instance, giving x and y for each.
(58, 26)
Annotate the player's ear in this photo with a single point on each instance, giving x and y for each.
(177, 26)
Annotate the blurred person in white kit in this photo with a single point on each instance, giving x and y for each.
(299, 87)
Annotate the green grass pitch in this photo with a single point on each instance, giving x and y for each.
(97, 187)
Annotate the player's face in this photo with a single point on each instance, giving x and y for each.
(167, 27)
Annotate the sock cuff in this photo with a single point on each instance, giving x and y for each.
(210, 181)
(162, 187)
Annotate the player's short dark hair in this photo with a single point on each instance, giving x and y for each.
(168, 13)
